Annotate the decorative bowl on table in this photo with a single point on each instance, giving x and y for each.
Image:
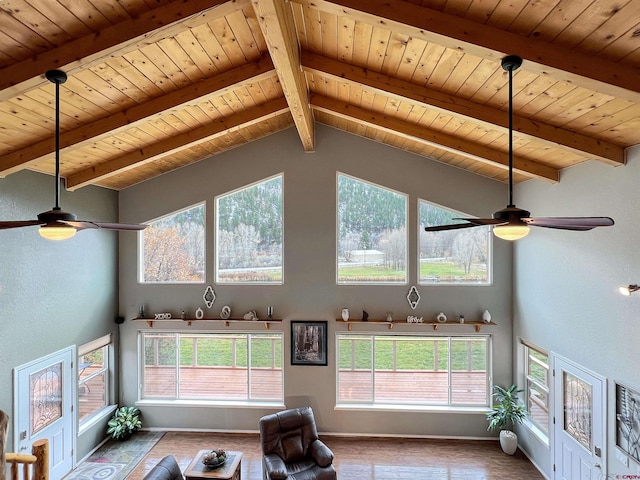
(214, 458)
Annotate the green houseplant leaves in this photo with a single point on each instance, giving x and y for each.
(124, 422)
(508, 409)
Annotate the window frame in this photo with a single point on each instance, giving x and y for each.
(421, 231)
(217, 240)
(531, 422)
(406, 227)
(176, 399)
(106, 343)
(449, 406)
(141, 280)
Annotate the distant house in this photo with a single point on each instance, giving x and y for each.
(375, 257)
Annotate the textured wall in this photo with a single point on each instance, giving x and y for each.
(310, 291)
(566, 298)
(52, 294)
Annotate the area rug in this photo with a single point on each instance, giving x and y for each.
(115, 460)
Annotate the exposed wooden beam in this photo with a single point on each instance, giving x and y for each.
(547, 134)
(117, 39)
(278, 27)
(215, 86)
(568, 64)
(450, 143)
(176, 143)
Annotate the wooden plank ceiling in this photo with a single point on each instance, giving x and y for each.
(157, 84)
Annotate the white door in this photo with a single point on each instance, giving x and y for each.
(579, 422)
(43, 402)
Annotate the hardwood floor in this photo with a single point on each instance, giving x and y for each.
(363, 458)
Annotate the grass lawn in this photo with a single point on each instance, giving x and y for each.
(411, 354)
(443, 270)
(355, 351)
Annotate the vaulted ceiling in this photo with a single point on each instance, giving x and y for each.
(154, 85)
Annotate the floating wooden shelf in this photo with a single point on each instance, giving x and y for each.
(435, 325)
(227, 321)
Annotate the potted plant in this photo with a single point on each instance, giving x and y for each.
(124, 422)
(507, 410)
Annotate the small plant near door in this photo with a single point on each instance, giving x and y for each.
(124, 422)
(507, 411)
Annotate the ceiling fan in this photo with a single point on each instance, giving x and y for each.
(56, 224)
(512, 223)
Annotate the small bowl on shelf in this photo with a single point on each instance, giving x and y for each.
(214, 458)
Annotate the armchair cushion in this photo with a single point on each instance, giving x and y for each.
(292, 447)
(321, 454)
(275, 466)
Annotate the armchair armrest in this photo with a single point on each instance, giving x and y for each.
(275, 467)
(320, 453)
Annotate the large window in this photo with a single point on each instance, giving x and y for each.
(459, 256)
(173, 248)
(537, 386)
(93, 378)
(249, 226)
(226, 368)
(372, 233)
(413, 370)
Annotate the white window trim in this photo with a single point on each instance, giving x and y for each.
(140, 273)
(406, 223)
(151, 401)
(537, 432)
(409, 407)
(94, 344)
(216, 227)
(207, 404)
(106, 411)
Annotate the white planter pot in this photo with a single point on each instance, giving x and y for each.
(508, 442)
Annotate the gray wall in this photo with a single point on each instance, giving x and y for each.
(53, 294)
(309, 291)
(565, 293)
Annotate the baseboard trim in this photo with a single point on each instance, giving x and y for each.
(330, 434)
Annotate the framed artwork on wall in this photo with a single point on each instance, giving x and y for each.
(628, 421)
(308, 343)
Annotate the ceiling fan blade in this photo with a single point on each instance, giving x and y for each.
(471, 222)
(486, 221)
(454, 226)
(18, 223)
(570, 223)
(83, 225)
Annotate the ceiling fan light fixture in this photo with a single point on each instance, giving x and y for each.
(57, 232)
(627, 290)
(511, 231)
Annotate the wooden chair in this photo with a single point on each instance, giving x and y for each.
(39, 457)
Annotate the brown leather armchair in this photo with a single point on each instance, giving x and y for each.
(165, 469)
(291, 449)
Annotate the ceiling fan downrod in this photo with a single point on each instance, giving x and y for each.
(57, 77)
(511, 63)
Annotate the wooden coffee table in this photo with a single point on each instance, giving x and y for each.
(230, 470)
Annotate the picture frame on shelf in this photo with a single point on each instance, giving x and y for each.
(308, 342)
(628, 421)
